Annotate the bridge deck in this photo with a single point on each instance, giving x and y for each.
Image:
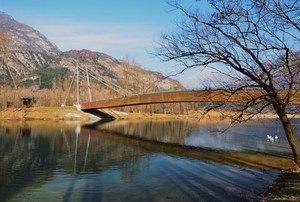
(183, 96)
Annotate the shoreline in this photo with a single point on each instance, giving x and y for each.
(72, 113)
(45, 113)
(195, 115)
(285, 188)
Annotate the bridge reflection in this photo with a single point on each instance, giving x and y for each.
(237, 158)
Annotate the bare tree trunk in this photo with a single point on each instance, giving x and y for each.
(291, 136)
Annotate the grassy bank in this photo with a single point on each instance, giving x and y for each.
(44, 113)
(196, 115)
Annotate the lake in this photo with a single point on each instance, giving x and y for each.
(176, 160)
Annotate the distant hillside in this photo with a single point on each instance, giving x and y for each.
(32, 60)
(130, 77)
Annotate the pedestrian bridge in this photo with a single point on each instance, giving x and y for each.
(242, 96)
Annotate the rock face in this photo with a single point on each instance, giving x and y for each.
(25, 38)
(29, 50)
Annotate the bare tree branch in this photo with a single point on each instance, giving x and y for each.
(255, 44)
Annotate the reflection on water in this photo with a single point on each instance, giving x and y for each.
(59, 161)
(250, 136)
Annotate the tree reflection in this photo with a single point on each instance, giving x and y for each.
(26, 132)
(46, 148)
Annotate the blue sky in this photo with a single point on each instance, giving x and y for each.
(122, 29)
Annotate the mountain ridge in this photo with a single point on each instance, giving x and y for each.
(30, 51)
(26, 38)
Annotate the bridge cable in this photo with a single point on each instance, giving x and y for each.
(68, 93)
(109, 84)
(88, 83)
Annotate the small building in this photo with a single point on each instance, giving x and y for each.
(26, 101)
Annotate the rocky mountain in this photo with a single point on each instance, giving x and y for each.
(27, 48)
(30, 54)
(25, 38)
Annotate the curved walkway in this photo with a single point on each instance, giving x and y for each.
(184, 96)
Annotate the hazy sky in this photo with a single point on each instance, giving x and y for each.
(120, 28)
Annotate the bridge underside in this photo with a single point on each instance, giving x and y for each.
(100, 113)
(184, 96)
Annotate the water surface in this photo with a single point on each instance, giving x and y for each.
(138, 161)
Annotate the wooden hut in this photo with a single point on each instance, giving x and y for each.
(26, 101)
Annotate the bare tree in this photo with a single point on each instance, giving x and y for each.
(253, 42)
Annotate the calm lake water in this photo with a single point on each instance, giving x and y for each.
(139, 160)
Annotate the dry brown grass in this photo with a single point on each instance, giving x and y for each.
(44, 113)
(196, 115)
(71, 113)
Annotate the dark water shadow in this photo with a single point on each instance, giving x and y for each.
(100, 114)
(96, 123)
